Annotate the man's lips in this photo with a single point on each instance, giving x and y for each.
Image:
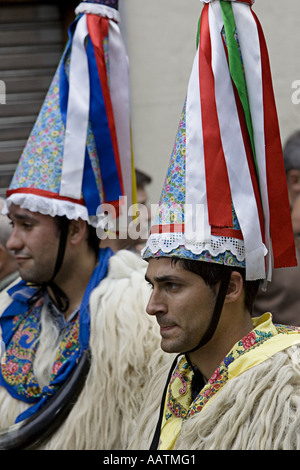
(166, 328)
(21, 258)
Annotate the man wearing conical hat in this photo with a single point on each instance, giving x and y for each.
(78, 342)
(223, 221)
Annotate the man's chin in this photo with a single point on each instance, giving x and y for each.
(29, 277)
(169, 347)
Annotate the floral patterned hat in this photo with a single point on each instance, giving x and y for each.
(225, 197)
(79, 153)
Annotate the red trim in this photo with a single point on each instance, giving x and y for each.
(43, 193)
(216, 231)
(217, 181)
(171, 228)
(283, 243)
(227, 232)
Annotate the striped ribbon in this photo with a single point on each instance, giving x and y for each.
(283, 244)
(92, 95)
(237, 146)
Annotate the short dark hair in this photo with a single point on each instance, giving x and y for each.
(291, 152)
(212, 273)
(92, 238)
(142, 179)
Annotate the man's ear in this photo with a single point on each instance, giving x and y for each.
(3, 256)
(235, 287)
(77, 231)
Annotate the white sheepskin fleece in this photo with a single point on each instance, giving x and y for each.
(259, 410)
(125, 350)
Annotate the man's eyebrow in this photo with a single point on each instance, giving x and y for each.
(22, 217)
(165, 278)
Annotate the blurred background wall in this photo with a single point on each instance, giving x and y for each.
(161, 41)
(32, 37)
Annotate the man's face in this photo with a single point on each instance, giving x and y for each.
(34, 241)
(182, 302)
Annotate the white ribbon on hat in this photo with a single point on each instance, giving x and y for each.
(196, 193)
(246, 27)
(242, 192)
(77, 116)
(79, 97)
(120, 98)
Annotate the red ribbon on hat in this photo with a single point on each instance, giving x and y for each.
(217, 182)
(283, 243)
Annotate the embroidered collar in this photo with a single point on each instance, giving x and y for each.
(20, 324)
(179, 405)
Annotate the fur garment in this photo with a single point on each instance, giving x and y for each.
(258, 410)
(125, 349)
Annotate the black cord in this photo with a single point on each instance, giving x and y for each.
(224, 282)
(226, 274)
(156, 437)
(61, 298)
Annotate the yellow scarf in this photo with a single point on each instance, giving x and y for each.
(262, 342)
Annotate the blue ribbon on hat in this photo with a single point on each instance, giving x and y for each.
(100, 128)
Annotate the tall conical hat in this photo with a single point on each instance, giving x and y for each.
(225, 196)
(77, 157)
(79, 153)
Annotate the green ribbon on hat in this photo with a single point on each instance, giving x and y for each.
(236, 67)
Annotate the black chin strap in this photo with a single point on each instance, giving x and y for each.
(224, 283)
(226, 274)
(61, 299)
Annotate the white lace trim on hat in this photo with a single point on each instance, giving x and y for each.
(49, 206)
(168, 242)
(100, 10)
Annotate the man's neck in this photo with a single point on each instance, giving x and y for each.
(74, 282)
(209, 357)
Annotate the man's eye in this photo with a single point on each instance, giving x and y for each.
(172, 286)
(27, 225)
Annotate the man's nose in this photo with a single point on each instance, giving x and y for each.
(14, 242)
(156, 304)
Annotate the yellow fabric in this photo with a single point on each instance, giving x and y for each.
(256, 356)
(264, 341)
(170, 428)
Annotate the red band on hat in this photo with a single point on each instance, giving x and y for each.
(216, 231)
(43, 193)
(168, 228)
(227, 232)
